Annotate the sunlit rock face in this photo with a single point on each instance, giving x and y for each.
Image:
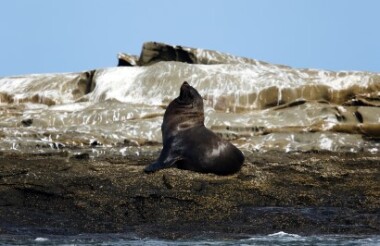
(257, 105)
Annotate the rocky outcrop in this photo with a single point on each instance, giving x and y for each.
(43, 88)
(126, 60)
(307, 193)
(153, 52)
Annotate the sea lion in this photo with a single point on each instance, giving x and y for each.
(188, 144)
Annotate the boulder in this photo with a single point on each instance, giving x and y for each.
(153, 52)
(126, 60)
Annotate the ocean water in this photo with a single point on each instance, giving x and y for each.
(277, 239)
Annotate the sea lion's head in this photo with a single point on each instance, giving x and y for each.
(189, 97)
(184, 112)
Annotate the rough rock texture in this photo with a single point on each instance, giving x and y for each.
(153, 52)
(32, 88)
(126, 60)
(304, 193)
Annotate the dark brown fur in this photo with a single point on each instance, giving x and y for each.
(188, 144)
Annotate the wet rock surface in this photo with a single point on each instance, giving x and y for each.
(310, 137)
(259, 105)
(303, 193)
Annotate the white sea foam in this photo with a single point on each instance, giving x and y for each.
(41, 239)
(284, 234)
(160, 82)
(326, 143)
(117, 83)
(69, 107)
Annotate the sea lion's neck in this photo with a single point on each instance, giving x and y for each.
(175, 123)
(183, 120)
(190, 119)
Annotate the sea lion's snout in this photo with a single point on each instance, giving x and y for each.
(189, 96)
(185, 93)
(185, 87)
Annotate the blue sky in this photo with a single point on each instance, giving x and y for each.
(44, 36)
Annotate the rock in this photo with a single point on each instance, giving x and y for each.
(81, 156)
(33, 88)
(85, 84)
(303, 193)
(27, 122)
(153, 52)
(6, 98)
(127, 60)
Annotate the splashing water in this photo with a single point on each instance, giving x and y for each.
(258, 106)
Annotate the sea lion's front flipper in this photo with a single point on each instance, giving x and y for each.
(160, 165)
(153, 167)
(168, 158)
